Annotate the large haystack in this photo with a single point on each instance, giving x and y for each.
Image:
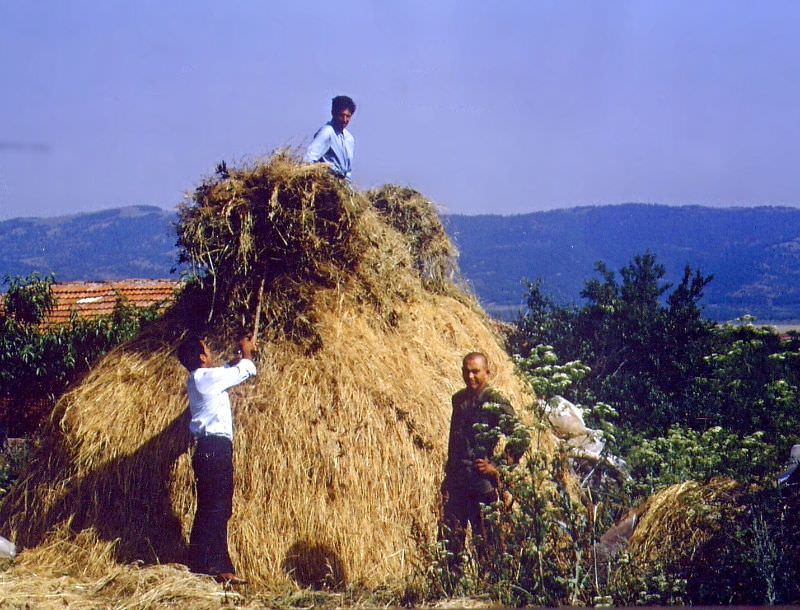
(340, 440)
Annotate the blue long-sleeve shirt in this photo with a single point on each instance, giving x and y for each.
(333, 148)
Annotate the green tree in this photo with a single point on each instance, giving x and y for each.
(29, 300)
(38, 362)
(751, 384)
(642, 342)
(665, 369)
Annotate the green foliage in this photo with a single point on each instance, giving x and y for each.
(545, 376)
(689, 401)
(37, 363)
(694, 401)
(655, 360)
(685, 454)
(29, 300)
(639, 342)
(508, 427)
(636, 585)
(12, 460)
(770, 538)
(750, 383)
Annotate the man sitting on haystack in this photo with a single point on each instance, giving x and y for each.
(212, 427)
(481, 415)
(333, 144)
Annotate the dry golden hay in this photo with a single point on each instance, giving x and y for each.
(285, 231)
(344, 447)
(80, 572)
(413, 215)
(678, 525)
(339, 449)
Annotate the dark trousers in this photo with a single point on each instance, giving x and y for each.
(462, 506)
(213, 471)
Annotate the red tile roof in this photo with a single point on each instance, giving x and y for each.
(94, 299)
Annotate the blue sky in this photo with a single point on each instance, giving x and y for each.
(502, 107)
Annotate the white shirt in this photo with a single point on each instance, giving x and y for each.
(209, 402)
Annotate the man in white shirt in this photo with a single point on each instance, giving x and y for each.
(212, 427)
(333, 144)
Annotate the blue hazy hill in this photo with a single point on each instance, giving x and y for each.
(129, 242)
(753, 253)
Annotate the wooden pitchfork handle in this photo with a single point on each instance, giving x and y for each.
(258, 312)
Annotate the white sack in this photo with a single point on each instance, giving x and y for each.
(7, 549)
(567, 421)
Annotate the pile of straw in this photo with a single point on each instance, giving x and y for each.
(726, 542)
(80, 572)
(680, 523)
(416, 217)
(339, 449)
(268, 238)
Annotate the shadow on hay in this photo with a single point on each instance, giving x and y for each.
(126, 499)
(315, 565)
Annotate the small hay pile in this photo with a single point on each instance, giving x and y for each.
(90, 577)
(415, 217)
(727, 542)
(340, 440)
(677, 523)
(688, 532)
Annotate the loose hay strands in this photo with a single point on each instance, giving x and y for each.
(676, 522)
(413, 215)
(339, 450)
(344, 447)
(297, 229)
(80, 572)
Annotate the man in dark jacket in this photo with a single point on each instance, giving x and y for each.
(481, 415)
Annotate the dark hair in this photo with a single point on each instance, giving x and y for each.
(341, 102)
(189, 352)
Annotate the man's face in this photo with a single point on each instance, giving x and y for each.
(476, 374)
(341, 119)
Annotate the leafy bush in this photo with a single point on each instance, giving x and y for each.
(38, 362)
(13, 458)
(685, 454)
(642, 343)
(678, 398)
(655, 361)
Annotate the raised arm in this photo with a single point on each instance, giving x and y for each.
(239, 369)
(246, 349)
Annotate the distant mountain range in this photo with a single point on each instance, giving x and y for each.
(129, 242)
(753, 253)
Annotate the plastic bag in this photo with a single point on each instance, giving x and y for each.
(8, 549)
(567, 421)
